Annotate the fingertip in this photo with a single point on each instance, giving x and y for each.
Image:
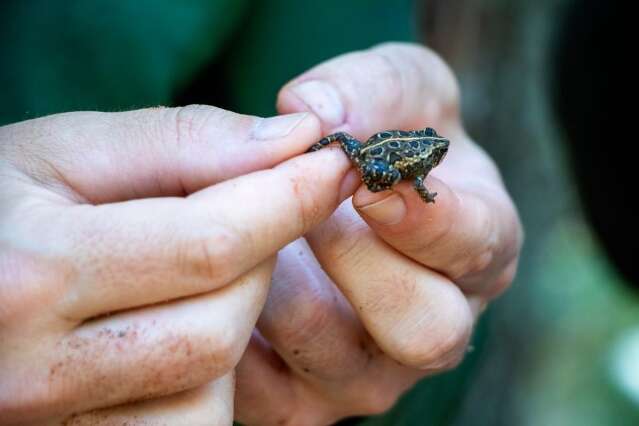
(318, 96)
(403, 210)
(278, 127)
(350, 183)
(324, 174)
(285, 135)
(322, 162)
(446, 203)
(384, 208)
(287, 102)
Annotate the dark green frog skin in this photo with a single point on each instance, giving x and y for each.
(393, 155)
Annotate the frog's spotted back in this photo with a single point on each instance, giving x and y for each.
(392, 155)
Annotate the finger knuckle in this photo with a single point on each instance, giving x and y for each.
(376, 400)
(189, 121)
(28, 282)
(308, 206)
(194, 357)
(343, 241)
(223, 349)
(439, 345)
(308, 318)
(209, 255)
(504, 280)
(481, 239)
(190, 124)
(471, 266)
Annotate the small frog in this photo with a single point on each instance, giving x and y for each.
(390, 156)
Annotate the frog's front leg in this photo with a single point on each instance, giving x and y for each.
(349, 144)
(418, 184)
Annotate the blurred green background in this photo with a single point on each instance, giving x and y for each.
(550, 351)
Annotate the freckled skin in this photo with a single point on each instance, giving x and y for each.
(393, 155)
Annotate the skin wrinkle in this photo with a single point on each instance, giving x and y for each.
(438, 234)
(74, 130)
(448, 106)
(214, 250)
(186, 114)
(316, 314)
(447, 352)
(396, 87)
(479, 266)
(343, 235)
(33, 157)
(309, 211)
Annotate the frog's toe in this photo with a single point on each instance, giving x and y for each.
(428, 197)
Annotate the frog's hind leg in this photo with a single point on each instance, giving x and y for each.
(418, 184)
(349, 144)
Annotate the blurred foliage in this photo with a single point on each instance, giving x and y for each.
(583, 308)
(104, 55)
(279, 39)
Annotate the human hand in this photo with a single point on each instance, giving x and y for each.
(136, 252)
(404, 280)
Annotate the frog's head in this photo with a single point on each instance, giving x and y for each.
(378, 175)
(438, 150)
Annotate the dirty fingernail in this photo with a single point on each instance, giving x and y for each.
(388, 211)
(278, 126)
(323, 100)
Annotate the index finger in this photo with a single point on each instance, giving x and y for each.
(140, 249)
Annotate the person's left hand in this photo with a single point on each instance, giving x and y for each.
(401, 282)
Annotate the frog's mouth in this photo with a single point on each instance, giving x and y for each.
(440, 150)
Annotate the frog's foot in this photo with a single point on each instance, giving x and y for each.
(425, 194)
(428, 197)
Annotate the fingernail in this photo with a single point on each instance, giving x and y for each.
(323, 100)
(278, 126)
(388, 211)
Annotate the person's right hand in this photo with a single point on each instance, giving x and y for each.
(135, 255)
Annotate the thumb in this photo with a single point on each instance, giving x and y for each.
(106, 157)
